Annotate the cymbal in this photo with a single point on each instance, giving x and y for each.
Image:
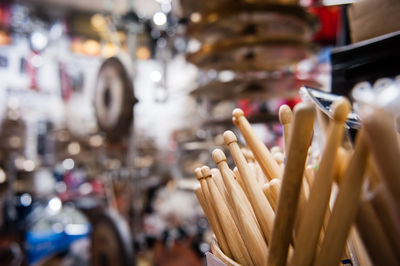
(257, 24)
(260, 19)
(190, 6)
(286, 86)
(251, 54)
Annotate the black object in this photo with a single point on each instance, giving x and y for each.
(111, 241)
(365, 61)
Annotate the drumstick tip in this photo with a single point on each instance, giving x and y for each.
(198, 173)
(218, 156)
(205, 170)
(285, 114)
(237, 112)
(229, 137)
(341, 108)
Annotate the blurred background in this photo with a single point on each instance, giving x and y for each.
(107, 107)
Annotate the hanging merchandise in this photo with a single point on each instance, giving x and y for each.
(114, 99)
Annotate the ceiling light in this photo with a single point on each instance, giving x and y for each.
(159, 18)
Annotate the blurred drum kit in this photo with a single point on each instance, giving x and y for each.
(250, 38)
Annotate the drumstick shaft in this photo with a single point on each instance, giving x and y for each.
(211, 217)
(271, 191)
(285, 117)
(234, 239)
(312, 220)
(382, 135)
(262, 209)
(248, 227)
(345, 208)
(291, 184)
(263, 156)
(204, 197)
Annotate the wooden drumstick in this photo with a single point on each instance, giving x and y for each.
(204, 197)
(257, 173)
(373, 236)
(382, 137)
(271, 191)
(262, 208)
(279, 157)
(309, 174)
(231, 232)
(275, 149)
(317, 204)
(248, 227)
(285, 117)
(216, 175)
(228, 177)
(248, 155)
(264, 158)
(291, 184)
(345, 208)
(239, 180)
(342, 159)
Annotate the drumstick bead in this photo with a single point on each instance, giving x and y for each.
(304, 116)
(262, 209)
(248, 227)
(317, 204)
(285, 117)
(231, 232)
(345, 208)
(271, 191)
(263, 156)
(204, 197)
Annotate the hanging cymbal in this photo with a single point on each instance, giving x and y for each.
(114, 99)
(286, 86)
(257, 20)
(250, 54)
(187, 7)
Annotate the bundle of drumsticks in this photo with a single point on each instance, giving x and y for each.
(272, 209)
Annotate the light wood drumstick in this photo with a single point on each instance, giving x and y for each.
(262, 208)
(271, 191)
(216, 175)
(310, 174)
(239, 180)
(382, 137)
(373, 236)
(248, 227)
(204, 197)
(342, 160)
(231, 232)
(317, 204)
(263, 156)
(285, 117)
(228, 178)
(248, 155)
(345, 208)
(291, 184)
